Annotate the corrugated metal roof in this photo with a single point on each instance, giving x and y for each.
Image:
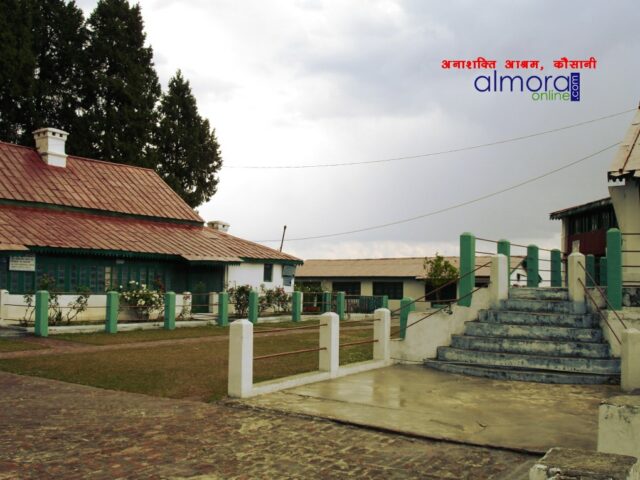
(626, 163)
(89, 184)
(558, 214)
(410, 267)
(39, 227)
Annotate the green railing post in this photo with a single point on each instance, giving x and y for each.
(614, 268)
(296, 306)
(504, 247)
(223, 309)
(556, 268)
(253, 306)
(467, 265)
(41, 327)
(170, 311)
(603, 271)
(533, 273)
(326, 302)
(340, 305)
(385, 301)
(113, 304)
(590, 267)
(407, 306)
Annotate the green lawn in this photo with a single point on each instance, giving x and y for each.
(195, 371)
(12, 345)
(135, 336)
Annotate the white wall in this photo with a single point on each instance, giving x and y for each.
(253, 274)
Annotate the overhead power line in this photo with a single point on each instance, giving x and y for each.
(430, 154)
(451, 207)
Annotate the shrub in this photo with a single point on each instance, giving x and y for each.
(142, 300)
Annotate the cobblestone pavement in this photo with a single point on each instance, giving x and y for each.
(50, 429)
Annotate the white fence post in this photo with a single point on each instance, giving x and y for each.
(630, 361)
(329, 340)
(576, 275)
(240, 381)
(4, 295)
(499, 280)
(381, 333)
(213, 302)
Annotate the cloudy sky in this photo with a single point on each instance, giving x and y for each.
(307, 82)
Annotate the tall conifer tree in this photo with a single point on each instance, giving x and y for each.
(122, 87)
(187, 151)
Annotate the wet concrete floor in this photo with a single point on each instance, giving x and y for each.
(418, 401)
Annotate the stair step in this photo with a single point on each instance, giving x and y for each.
(531, 347)
(535, 332)
(523, 375)
(539, 293)
(536, 362)
(539, 318)
(548, 306)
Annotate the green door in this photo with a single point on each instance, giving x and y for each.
(202, 281)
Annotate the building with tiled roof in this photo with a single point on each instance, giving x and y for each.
(98, 224)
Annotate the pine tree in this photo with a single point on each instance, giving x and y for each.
(187, 151)
(16, 69)
(122, 88)
(58, 36)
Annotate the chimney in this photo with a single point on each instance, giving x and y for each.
(219, 225)
(50, 145)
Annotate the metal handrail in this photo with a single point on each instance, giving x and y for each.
(606, 299)
(451, 282)
(595, 304)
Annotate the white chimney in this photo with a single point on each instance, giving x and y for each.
(219, 225)
(50, 145)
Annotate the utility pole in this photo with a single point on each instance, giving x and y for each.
(284, 230)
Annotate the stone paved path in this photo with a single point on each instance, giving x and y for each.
(50, 429)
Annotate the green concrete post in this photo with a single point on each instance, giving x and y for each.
(41, 327)
(614, 268)
(385, 301)
(223, 309)
(533, 273)
(113, 304)
(590, 266)
(556, 268)
(407, 306)
(296, 304)
(603, 271)
(170, 311)
(340, 305)
(467, 265)
(326, 302)
(253, 306)
(504, 247)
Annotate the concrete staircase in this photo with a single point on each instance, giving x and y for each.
(535, 336)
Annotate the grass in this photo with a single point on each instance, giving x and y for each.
(134, 336)
(11, 345)
(196, 371)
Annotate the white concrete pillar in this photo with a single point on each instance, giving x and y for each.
(576, 275)
(329, 339)
(213, 302)
(187, 300)
(630, 360)
(381, 333)
(240, 381)
(619, 425)
(626, 203)
(4, 297)
(499, 280)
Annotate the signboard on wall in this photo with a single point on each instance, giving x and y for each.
(25, 263)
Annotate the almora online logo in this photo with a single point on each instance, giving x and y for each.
(547, 87)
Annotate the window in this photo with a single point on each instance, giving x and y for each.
(349, 288)
(392, 289)
(268, 272)
(288, 272)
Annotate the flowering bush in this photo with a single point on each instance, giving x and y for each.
(276, 299)
(141, 300)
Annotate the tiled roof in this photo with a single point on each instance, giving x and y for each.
(39, 227)
(626, 163)
(90, 184)
(410, 267)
